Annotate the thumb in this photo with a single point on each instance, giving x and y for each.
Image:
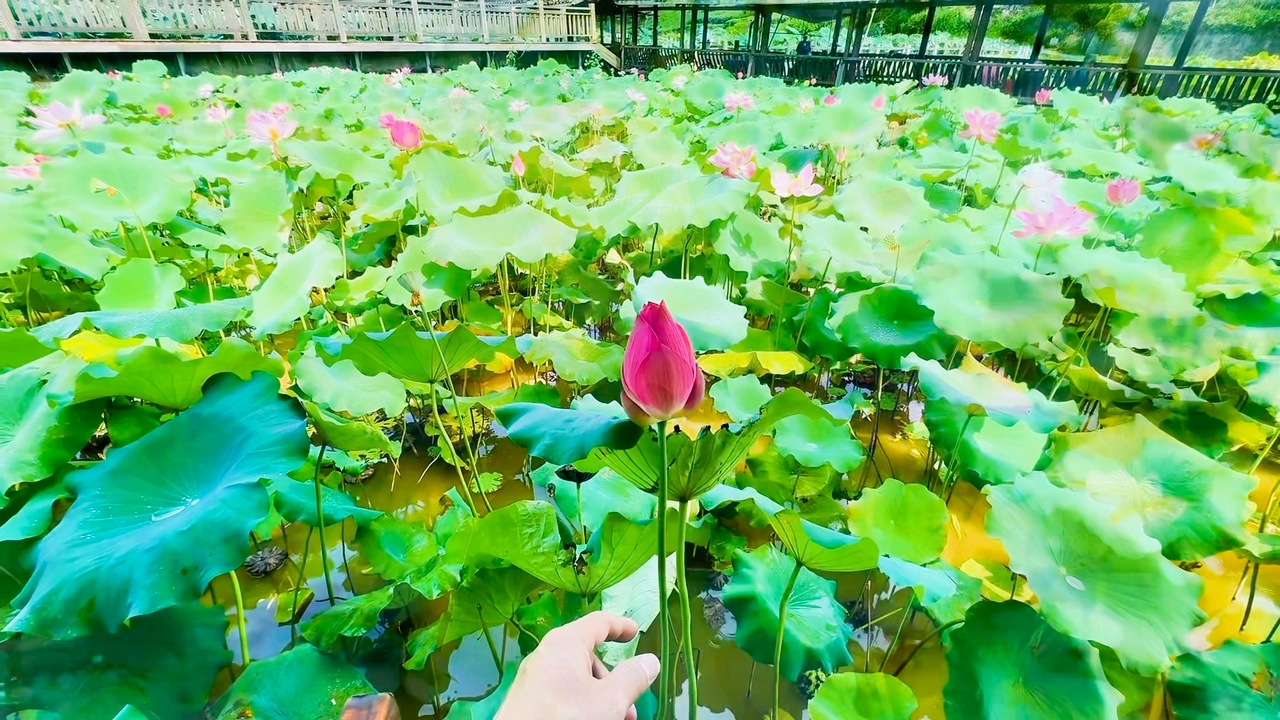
(631, 678)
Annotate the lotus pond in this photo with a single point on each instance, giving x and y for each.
(312, 388)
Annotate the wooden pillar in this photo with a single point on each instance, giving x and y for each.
(1156, 10)
(635, 27)
(542, 19)
(8, 23)
(339, 22)
(835, 31)
(417, 20)
(655, 26)
(973, 46)
(928, 29)
(484, 21)
(766, 36)
(1189, 40)
(1042, 31)
(133, 19)
(594, 29)
(706, 22)
(683, 28)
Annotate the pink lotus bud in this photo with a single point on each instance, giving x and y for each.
(386, 120)
(1122, 191)
(660, 375)
(641, 76)
(841, 154)
(405, 134)
(517, 166)
(741, 75)
(164, 111)
(830, 99)
(1044, 96)
(879, 103)
(113, 74)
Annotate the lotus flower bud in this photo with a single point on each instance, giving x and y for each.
(660, 375)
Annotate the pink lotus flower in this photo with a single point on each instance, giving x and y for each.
(518, 167)
(806, 105)
(113, 74)
(405, 134)
(641, 76)
(841, 154)
(518, 107)
(1044, 96)
(24, 172)
(205, 91)
(678, 82)
(217, 113)
(660, 375)
(879, 103)
(1057, 220)
(164, 111)
(735, 101)
(800, 185)
(741, 74)
(735, 162)
(1041, 183)
(386, 120)
(267, 127)
(983, 125)
(53, 121)
(1122, 191)
(636, 96)
(459, 93)
(830, 99)
(1206, 141)
(935, 80)
(281, 109)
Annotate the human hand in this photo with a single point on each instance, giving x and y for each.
(563, 679)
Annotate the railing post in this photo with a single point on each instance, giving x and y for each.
(133, 19)
(542, 19)
(594, 29)
(246, 21)
(1173, 81)
(417, 20)
(339, 21)
(8, 22)
(1142, 44)
(1045, 18)
(484, 21)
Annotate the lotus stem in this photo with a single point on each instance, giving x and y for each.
(444, 438)
(791, 242)
(324, 560)
(911, 655)
(664, 637)
(952, 476)
(240, 624)
(1036, 264)
(1084, 339)
(1262, 528)
(777, 646)
(493, 649)
(897, 636)
(1274, 628)
(1012, 204)
(968, 166)
(582, 527)
(686, 614)
(457, 412)
(506, 296)
(298, 584)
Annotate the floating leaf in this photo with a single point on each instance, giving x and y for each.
(300, 683)
(565, 436)
(141, 284)
(575, 356)
(887, 323)
(482, 242)
(905, 521)
(741, 397)
(815, 441)
(863, 696)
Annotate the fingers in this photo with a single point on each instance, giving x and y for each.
(597, 628)
(598, 670)
(631, 678)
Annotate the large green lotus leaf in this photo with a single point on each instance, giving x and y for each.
(470, 186)
(345, 166)
(394, 547)
(527, 534)
(37, 433)
(351, 618)
(986, 298)
(115, 187)
(1127, 281)
(565, 436)
(1007, 663)
(673, 197)
(1234, 682)
(604, 493)
(816, 635)
(259, 215)
(157, 376)
(483, 241)
(1098, 577)
(816, 441)
(1194, 506)
(488, 599)
(30, 511)
(286, 295)
(944, 591)
(835, 248)
(1202, 175)
(181, 324)
(342, 387)
(712, 321)
(863, 696)
(295, 500)
(741, 397)
(752, 245)
(163, 664)
(786, 481)
(161, 517)
(19, 347)
(886, 323)
(881, 205)
(1191, 239)
(979, 390)
(818, 548)
(407, 354)
(300, 684)
(905, 521)
(349, 435)
(141, 284)
(988, 452)
(575, 356)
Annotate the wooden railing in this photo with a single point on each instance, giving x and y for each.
(1226, 87)
(302, 20)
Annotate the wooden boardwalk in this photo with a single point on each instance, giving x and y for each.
(105, 26)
